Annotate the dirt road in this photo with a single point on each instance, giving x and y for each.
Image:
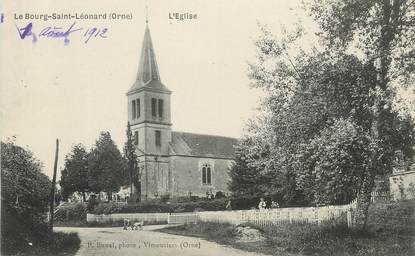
(149, 242)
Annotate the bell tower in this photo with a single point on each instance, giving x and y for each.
(150, 119)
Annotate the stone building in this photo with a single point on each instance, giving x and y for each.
(171, 163)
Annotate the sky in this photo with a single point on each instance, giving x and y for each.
(50, 90)
(72, 92)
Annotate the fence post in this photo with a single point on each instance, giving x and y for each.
(349, 218)
(317, 216)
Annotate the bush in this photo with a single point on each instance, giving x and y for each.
(60, 243)
(24, 198)
(183, 204)
(107, 208)
(92, 203)
(219, 195)
(393, 218)
(71, 213)
(64, 242)
(154, 207)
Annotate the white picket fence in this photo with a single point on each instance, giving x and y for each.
(268, 217)
(279, 216)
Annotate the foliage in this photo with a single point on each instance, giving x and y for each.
(395, 218)
(24, 191)
(333, 163)
(130, 155)
(105, 166)
(71, 212)
(57, 244)
(107, 208)
(74, 176)
(92, 203)
(63, 242)
(153, 207)
(381, 32)
(245, 179)
(331, 119)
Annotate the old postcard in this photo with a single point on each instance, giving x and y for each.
(192, 127)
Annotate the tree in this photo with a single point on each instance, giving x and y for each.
(24, 198)
(334, 162)
(317, 98)
(245, 179)
(132, 161)
(383, 32)
(74, 176)
(105, 166)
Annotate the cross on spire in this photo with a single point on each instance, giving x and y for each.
(146, 12)
(148, 73)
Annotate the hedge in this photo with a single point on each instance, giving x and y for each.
(153, 207)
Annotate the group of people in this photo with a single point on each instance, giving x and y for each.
(263, 205)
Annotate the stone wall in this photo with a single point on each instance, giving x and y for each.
(402, 185)
(187, 175)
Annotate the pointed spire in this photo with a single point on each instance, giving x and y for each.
(147, 69)
(148, 75)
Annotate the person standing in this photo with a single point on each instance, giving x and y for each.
(262, 204)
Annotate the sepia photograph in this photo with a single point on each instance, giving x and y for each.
(199, 128)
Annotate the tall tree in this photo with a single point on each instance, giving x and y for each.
(132, 163)
(245, 179)
(383, 31)
(316, 99)
(24, 198)
(105, 166)
(74, 176)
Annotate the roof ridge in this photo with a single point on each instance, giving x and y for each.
(202, 134)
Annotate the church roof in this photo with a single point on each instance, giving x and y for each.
(190, 144)
(148, 75)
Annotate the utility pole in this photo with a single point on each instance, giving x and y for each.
(52, 191)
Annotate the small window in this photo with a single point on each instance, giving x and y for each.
(161, 103)
(158, 138)
(154, 107)
(136, 138)
(206, 174)
(133, 107)
(138, 108)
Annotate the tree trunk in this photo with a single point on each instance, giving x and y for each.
(390, 15)
(109, 193)
(83, 196)
(363, 201)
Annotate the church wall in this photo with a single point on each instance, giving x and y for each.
(155, 177)
(187, 175)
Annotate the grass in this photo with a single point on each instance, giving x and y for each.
(60, 244)
(391, 231)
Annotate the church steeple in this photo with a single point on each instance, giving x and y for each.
(147, 69)
(148, 72)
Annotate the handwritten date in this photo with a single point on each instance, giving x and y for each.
(62, 33)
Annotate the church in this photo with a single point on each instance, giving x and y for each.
(171, 163)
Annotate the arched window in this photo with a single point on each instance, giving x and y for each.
(206, 174)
